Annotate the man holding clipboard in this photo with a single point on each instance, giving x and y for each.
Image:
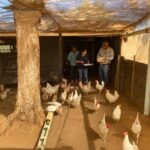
(104, 58)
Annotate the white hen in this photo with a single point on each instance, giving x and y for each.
(116, 115)
(99, 86)
(126, 145)
(70, 98)
(136, 127)
(103, 129)
(49, 89)
(112, 98)
(79, 99)
(67, 88)
(96, 104)
(76, 98)
(63, 96)
(85, 88)
(4, 94)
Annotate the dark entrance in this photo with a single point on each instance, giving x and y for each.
(92, 44)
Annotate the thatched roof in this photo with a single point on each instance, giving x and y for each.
(77, 15)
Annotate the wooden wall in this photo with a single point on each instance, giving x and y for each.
(132, 81)
(50, 61)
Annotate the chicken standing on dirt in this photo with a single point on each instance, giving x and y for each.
(103, 129)
(85, 88)
(76, 98)
(126, 145)
(96, 104)
(117, 113)
(99, 86)
(50, 90)
(70, 98)
(112, 98)
(4, 94)
(63, 96)
(136, 127)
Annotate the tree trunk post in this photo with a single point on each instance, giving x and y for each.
(28, 60)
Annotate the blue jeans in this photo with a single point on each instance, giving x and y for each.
(83, 75)
(104, 72)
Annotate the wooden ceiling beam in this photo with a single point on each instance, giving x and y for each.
(104, 34)
(137, 22)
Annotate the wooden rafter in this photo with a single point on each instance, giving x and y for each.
(137, 22)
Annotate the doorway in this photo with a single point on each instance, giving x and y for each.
(92, 44)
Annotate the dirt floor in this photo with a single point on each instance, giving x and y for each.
(77, 128)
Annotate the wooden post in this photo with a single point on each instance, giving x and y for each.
(122, 74)
(60, 53)
(117, 73)
(147, 92)
(1, 69)
(133, 74)
(45, 131)
(93, 54)
(28, 60)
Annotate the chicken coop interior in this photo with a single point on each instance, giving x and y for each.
(41, 108)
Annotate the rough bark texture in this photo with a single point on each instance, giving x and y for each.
(28, 100)
(28, 105)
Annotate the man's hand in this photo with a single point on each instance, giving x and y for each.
(100, 59)
(81, 62)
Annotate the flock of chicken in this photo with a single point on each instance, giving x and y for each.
(72, 95)
(69, 94)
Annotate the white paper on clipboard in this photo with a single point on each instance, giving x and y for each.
(87, 65)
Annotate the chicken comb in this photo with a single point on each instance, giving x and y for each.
(125, 133)
(106, 90)
(108, 125)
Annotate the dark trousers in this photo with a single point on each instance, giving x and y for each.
(104, 73)
(74, 73)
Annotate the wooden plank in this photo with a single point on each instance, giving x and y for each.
(117, 74)
(60, 52)
(122, 75)
(45, 131)
(81, 34)
(147, 93)
(133, 74)
(147, 30)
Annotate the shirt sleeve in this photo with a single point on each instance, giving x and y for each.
(111, 55)
(69, 57)
(99, 55)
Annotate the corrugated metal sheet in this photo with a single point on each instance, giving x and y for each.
(82, 15)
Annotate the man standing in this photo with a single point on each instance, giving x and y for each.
(104, 58)
(83, 71)
(72, 59)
